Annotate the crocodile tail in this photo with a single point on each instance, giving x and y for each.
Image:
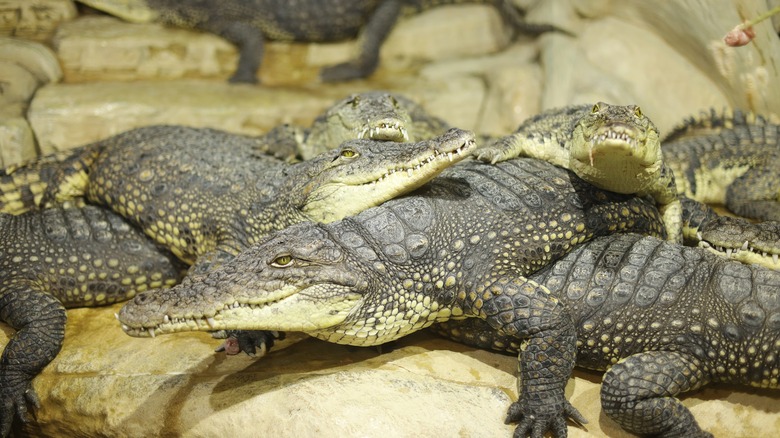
(46, 180)
(713, 121)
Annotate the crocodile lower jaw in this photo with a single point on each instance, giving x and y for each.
(745, 254)
(385, 132)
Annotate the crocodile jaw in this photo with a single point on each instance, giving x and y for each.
(285, 309)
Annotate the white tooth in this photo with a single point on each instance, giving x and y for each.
(125, 327)
(116, 315)
(776, 258)
(166, 319)
(409, 172)
(449, 156)
(728, 252)
(151, 332)
(698, 235)
(211, 322)
(406, 134)
(745, 245)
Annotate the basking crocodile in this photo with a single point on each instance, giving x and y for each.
(730, 158)
(378, 115)
(663, 319)
(60, 258)
(203, 191)
(459, 247)
(247, 24)
(611, 146)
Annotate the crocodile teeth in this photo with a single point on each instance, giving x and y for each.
(745, 246)
(210, 321)
(166, 319)
(775, 258)
(729, 251)
(405, 134)
(151, 332)
(698, 235)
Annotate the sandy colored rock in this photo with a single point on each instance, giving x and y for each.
(105, 383)
(34, 57)
(68, 115)
(17, 143)
(34, 19)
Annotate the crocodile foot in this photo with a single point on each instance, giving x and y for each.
(535, 421)
(249, 341)
(15, 397)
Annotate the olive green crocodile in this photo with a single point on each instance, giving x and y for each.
(60, 258)
(247, 23)
(729, 158)
(613, 147)
(458, 247)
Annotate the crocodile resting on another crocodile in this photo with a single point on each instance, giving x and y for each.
(61, 258)
(458, 247)
(247, 23)
(666, 318)
(611, 146)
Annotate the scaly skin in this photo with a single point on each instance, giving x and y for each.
(613, 147)
(663, 319)
(59, 258)
(730, 159)
(377, 115)
(202, 191)
(248, 23)
(459, 247)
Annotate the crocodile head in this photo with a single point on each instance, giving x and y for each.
(375, 115)
(134, 11)
(617, 147)
(298, 279)
(363, 173)
(743, 241)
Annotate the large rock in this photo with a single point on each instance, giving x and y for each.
(105, 383)
(34, 19)
(68, 115)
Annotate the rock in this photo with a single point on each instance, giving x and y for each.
(34, 57)
(69, 115)
(17, 143)
(34, 19)
(104, 383)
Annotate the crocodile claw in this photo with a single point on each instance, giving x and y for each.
(15, 398)
(535, 425)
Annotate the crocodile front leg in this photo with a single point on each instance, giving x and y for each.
(250, 43)
(525, 310)
(639, 394)
(39, 319)
(370, 41)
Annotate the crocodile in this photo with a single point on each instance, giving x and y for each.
(60, 258)
(248, 23)
(729, 158)
(460, 246)
(378, 115)
(204, 191)
(614, 147)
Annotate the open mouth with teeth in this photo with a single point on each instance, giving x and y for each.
(746, 253)
(385, 131)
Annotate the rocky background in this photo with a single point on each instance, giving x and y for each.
(69, 76)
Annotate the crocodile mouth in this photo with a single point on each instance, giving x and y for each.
(747, 253)
(385, 131)
(414, 166)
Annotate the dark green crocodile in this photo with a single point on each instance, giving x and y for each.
(247, 23)
(459, 247)
(613, 147)
(60, 258)
(663, 320)
(203, 191)
(729, 158)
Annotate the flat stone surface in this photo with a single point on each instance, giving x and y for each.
(17, 143)
(105, 383)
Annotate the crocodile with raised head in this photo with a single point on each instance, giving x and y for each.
(730, 158)
(61, 258)
(248, 23)
(459, 247)
(203, 191)
(613, 147)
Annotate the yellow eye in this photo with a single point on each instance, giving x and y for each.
(348, 153)
(282, 261)
(638, 111)
(596, 108)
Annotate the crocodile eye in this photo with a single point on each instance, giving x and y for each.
(348, 153)
(596, 108)
(393, 101)
(355, 101)
(282, 261)
(638, 111)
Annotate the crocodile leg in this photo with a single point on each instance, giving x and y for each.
(39, 319)
(639, 393)
(371, 38)
(250, 43)
(525, 310)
